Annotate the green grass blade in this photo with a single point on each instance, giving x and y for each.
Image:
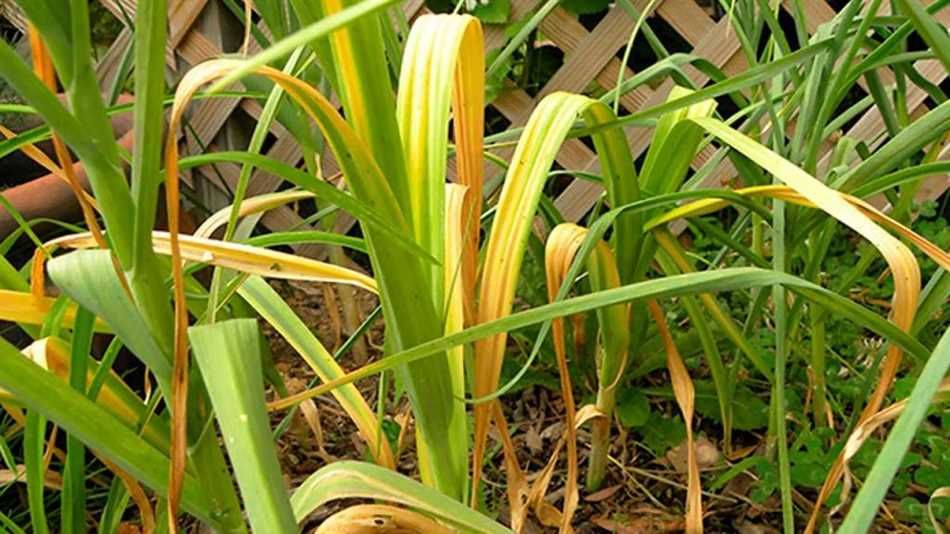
(781, 358)
(883, 102)
(900, 177)
(272, 12)
(10, 278)
(865, 506)
(672, 63)
(675, 142)
(34, 439)
(933, 299)
(117, 501)
(52, 19)
(273, 309)
(98, 429)
(918, 134)
(519, 38)
(667, 287)
(615, 345)
(73, 495)
(228, 356)
(932, 32)
(10, 525)
(621, 182)
(319, 29)
(274, 239)
(150, 22)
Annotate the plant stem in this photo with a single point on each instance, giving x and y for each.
(600, 438)
(213, 474)
(819, 398)
(778, 388)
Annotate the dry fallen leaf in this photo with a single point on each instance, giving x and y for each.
(533, 439)
(754, 528)
(553, 431)
(605, 493)
(639, 525)
(739, 454)
(707, 455)
(309, 412)
(740, 485)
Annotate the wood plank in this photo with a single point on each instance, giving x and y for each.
(688, 19)
(870, 127)
(591, 55)
(12, 13)
(569, 36)
(109, 64)
(495, 33)
(816, 13)
(278, 219)
(182, 15)
(719, 47)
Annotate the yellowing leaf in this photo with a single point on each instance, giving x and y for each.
(902, 263)
(244, 258)
(250, 206)
(26, 308)
(788, 194)
(443, 52)
(685, 395)
(371, 518)
(53, 354)
(559, 253)
(540, 141)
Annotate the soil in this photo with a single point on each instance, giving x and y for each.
(647, 495)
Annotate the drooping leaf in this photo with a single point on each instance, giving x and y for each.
(89, 278)
(347, 479)
(275, 311)
(865, 505)
(96, 428)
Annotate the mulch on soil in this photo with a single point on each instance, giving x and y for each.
(645, 495)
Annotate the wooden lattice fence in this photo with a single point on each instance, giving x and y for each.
(590, 56)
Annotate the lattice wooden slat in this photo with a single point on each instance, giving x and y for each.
(590, 56)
